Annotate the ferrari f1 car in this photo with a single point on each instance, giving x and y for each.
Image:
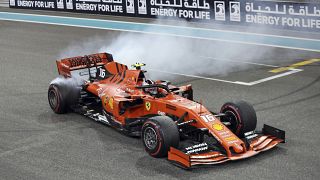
(170, 122)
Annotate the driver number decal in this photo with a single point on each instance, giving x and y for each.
(208, 118)
(102, 73)
(148, 105)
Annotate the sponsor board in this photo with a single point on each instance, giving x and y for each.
(283, 14)
(273, 14)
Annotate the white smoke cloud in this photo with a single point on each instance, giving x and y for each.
(171, 53)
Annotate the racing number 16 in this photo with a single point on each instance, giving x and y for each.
(102, 73)
(208, 118)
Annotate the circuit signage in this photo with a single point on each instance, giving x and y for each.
(272, 14)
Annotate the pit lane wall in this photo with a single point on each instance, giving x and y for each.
(270, 14)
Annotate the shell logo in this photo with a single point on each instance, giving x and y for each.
(217, 127)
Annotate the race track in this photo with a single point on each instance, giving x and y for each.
(35, 143)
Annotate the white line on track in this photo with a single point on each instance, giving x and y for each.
(292, 71)
(194, 76)
(241, 62)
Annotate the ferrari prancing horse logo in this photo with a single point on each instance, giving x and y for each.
(148, 105)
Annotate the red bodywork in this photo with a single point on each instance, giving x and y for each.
(120, 87)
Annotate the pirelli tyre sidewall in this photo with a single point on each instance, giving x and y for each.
(163, 134)
(241, 115)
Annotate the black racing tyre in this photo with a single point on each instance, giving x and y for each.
(63, 93)
(241, 116)
(57, 99)
(159, 134)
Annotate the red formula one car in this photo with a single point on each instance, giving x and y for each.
(166, 117)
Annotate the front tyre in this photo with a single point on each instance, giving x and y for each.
(158, 135)
(241, 116)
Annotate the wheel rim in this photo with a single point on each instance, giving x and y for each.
(233, 119)
(150, 138)
(53, 100)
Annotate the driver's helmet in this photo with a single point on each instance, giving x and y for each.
(153, 90)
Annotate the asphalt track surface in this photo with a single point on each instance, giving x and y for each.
(35, 143)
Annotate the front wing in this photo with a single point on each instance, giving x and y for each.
(267, 139)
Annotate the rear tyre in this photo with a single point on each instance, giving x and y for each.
(57, 100)
(158, 135)
(241, 116)
(63, 93)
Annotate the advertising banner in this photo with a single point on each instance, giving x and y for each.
(273, 14)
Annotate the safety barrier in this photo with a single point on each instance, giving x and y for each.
(272, 14)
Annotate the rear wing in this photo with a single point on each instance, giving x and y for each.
(65, 66)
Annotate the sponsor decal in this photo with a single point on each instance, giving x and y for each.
(250, 135)
(225, 134)
(196, 148)
(111, 102)
(235, 11)
(36, 4)
(83, 61)
(232, 138)
(217, 126)
(148, 105)
(142, 7)
(220, 11)
(187, 9)
(283, 14)
(130, 6)
(69, 4)
(161, 113)
(99, 6)
(60, 4)
(12, 2)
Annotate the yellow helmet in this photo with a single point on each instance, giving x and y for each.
(138, 65)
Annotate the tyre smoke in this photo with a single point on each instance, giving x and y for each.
(171, 53)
